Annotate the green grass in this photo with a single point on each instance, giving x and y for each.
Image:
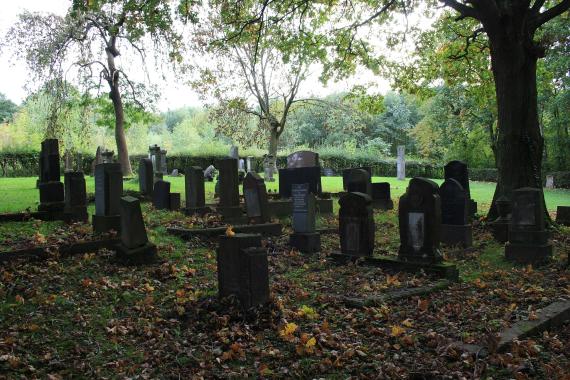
(21, 193)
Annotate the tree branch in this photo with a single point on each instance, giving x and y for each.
(549, 14)
(464, 10)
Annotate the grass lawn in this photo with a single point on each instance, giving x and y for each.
(20, 193)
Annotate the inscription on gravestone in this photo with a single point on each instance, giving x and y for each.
(356, 224)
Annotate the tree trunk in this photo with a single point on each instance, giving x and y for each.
(115, 95)
(519, 140)
(273, 145)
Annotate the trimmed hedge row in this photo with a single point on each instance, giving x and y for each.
(26, 164)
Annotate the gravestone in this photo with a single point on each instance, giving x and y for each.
(401, 163)
(234, 152)
(304, 236)
(209, 173)
(346, 173)
(154, 153)
(268, 168)
(75, 208)
(255, 195)
(328, 172)
(528, 240)
(98, 159)
(358, 181)
(563, 215)
(50, 186)
(500, 226)
(108, 193)
(68, 161)
(134, 247)
(303, 159)
(161, 195)
(163, 167)
(420, 222)
(356, 224)
(455, 204)
(249, 163)
(195, 191)
(549, 182)
(146, 177)
(107, 156)
(243, 269)
(228, 190)
(174, 202)
(175, 173)
(459, 172)
(381, 198)
(290, 176)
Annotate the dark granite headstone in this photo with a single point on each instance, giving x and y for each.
(255, 195)
(459, 172)
(195, 191)
(243, 269)
(455, 226)
(50, 186)
(381, 198)
(174, 202)
(134, 247)
(356, 224)
(310, 175)
(303, 159)
(304, 237)
(108, 193)
(347, 172)
(98, 160)
(359, 182)
(420, 222)
(155, 155)
(563, 215)
(146, 177)
(500, 226)
(161, 195)
(75, 197)
(528, 240)
(228, 190)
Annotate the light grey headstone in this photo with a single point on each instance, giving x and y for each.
(549, 182)
(401, 162)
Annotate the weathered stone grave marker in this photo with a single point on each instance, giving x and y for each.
(359, 182)
(161, 195)
(563, 215)
(229, 205)
(108, 192)
(458, 171)
(356, 224)
(195, 191)
(50, 186)
(455, 204)
(346, 174)
(243, 269)
(255, 195)
(500, 226)
(134, 247)
(75, 197)
(209, 173)
(420, 222)
(155, 155)
(249, 163)
(146, 177)
(401, 163)
(528, 240)
(304, 236)
(303, 159)
(98, 159)
(549, 182)
(268, 167)
(381, 198)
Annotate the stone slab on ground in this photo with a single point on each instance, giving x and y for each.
(441, 270)
(267, 229)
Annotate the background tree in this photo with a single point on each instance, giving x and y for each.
(7, 108)
(87, 42)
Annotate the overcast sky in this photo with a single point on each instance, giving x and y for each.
(13, 75)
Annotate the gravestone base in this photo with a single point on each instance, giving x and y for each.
(325, 206)
(51, 196)
(76, 214)
(563, 215)
(196, 210)
(500, 231)
(421, 259)
(231, 214)
(527, 253)
(452, 234)
(306, 242)
(52, 207)
(147, 254)
(382, 204)
(102, 223)
(174, 201)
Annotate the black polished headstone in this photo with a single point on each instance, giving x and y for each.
(75, 197)
(229, 183)
(49, 184)
(456, 228)
(458, 171)
(304, 237)
(161, 195)
(420, 222)
(108, 193)
(310, 175)
(356, 224)
(146, 177)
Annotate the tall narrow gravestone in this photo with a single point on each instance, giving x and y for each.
(459, 172)
(195, 191)
(146, 177)
(161, 195)
(108, 193)
(420, 222)
(358, 181)
(304, 236)
(134, 247)
(356, 224)
(255, 195)
(455, 226)
(401, 163)
(243, 269)
(75, 197)
(154, 154)
(50, 186)
(229, 205)
(528, 240)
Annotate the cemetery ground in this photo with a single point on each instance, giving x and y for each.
(86, 315)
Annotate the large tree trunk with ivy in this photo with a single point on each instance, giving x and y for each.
(519, 145)
(115, 95)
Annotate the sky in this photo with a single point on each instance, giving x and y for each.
(173, 93)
